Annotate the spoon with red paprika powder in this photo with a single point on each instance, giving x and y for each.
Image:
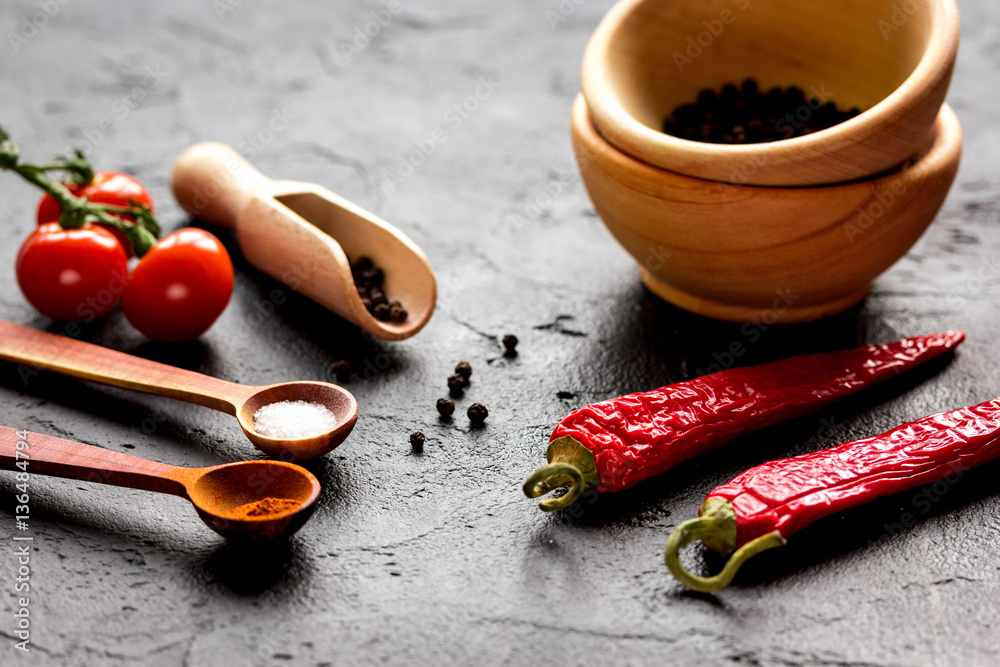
(251, 500)
(615, 444)
(762, 507)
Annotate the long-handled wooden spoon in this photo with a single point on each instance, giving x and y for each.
(217, 492)
(303, 234)
(68, 356)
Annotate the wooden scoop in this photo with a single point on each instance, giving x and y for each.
(87, 361)
(306, 236)
(216, 492)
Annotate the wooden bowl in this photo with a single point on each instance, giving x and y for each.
(751, 253)
(891, 58)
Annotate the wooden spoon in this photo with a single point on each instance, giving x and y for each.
(303, 234)
(75, 358)
(216, 492)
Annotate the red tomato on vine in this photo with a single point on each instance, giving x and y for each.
(180, 287)
(108, 187)
(72, 274)
(74, 265)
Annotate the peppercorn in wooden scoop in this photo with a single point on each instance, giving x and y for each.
(307, 237)
(252, 500)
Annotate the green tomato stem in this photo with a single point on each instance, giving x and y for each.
(78, 167)
(78, 211)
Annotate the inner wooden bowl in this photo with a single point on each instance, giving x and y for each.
(763, 254)
(891, 58)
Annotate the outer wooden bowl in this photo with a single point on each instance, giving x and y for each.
(746, 253)
(891, 58)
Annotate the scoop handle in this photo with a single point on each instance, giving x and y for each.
(214, 183)
(37, 454)
(36, 349)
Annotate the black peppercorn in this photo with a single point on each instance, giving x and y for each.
(373, 276)
(707, 98)
(361, 264)
(477, 413)
(446, 407)
(464, 369)
(342, 370)
(456, 383)
(397, 313)
(745, 114)
(729, 95)
(368, 280)
(417, 441)
(794, 97)
(510, 344)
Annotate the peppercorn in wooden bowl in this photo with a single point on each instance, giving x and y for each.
(891, 59)
(752, 253)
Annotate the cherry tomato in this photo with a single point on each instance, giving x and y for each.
(180, 287)
(109, 187)
(72, 274)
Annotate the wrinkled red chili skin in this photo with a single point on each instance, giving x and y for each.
(641, 435)
(789, 494)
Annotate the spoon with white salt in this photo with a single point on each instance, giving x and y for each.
(293, 420)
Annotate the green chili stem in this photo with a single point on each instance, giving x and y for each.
(570, 464)
(553, 476)
(716, 528)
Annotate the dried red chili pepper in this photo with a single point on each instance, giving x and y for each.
(762, 507)
(616, 444)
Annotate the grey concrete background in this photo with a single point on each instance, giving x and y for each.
(438, 559)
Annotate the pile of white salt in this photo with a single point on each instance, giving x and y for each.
(294, 420)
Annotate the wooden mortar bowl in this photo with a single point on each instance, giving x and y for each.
(891, 58)
(751, 253)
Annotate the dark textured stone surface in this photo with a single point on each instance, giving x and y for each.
(437, 558)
